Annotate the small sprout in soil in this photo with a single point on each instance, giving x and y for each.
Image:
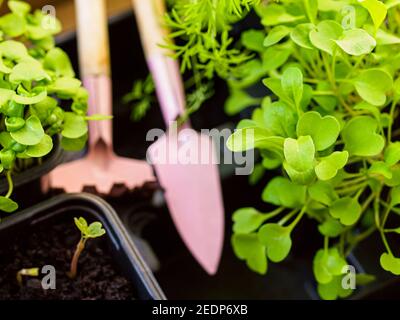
(94, 230)
(32, 272)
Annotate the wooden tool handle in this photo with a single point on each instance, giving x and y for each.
(165, 70)
(149, 16)
(93, 40)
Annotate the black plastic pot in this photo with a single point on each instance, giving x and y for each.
(123, 250)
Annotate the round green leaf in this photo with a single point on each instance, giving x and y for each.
(253, 39)
(58, 61)
(322, 192)
(323, 130)
(13, 50)
(276, 192)
(247, 220)
(75, 126)
(29, 70)
(390, 263)
(275, 35)
(331, 228)
(280, 119)
(327, 264)
(8, 205)
(74, 144)
(41, 149)
(347, 210)
(392, 154)
(277, 241)
(324, 35)
(372, 86)
(356, 42)
(300, 35)
(31, 134)
(328, 167)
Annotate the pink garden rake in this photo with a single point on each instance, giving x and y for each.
(101, 168)
(192, 189)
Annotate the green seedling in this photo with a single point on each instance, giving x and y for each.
(31, 272)
(40, 96)
(94, 230)
(330, 126)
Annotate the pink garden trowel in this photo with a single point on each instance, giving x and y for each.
(184, 160)
(101, 167)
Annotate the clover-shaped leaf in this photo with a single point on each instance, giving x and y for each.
(299, 153)
(276, 192)
(322, 192)
(360, 137)
(94, 230)
(328, 166)
(8, 205)
(247, 220)
(324, 131)
(277, 241)
(41, 149)
(372, 86)
(30, 134)
(292, 84)
(247, 247)
(327, 264)
(356, 42)
(324, 35)
(275, 35)
(347, 210)
(75, 126)
(390, 263)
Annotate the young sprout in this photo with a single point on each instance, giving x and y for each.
(94, 230)
(32, 272)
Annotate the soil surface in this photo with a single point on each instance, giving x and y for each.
(54, 244)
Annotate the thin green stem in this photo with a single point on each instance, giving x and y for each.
(10, 184)
(298, 218)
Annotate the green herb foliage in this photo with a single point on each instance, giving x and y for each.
(39, 94)
(329, 125)
(202, 27)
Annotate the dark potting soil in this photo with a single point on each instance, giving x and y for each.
(97, 279)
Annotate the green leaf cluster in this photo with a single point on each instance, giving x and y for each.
(329, 125)
(39, 94)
